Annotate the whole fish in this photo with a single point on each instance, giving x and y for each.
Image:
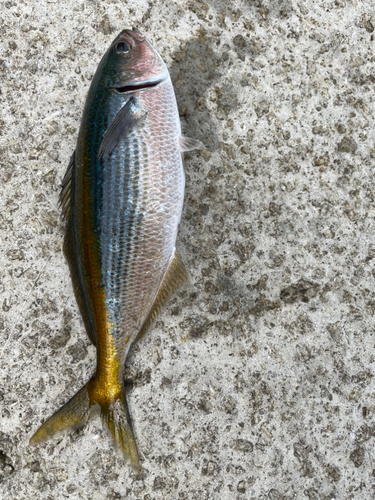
(122, 198)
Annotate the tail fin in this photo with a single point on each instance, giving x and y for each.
(76, 412)
(115, 415)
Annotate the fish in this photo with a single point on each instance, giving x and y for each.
(122, 199)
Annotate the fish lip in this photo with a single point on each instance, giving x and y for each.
(138, 86)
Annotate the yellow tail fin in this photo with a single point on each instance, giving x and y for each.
(78, 410)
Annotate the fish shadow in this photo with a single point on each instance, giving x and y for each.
(194, 71)
(261, 11)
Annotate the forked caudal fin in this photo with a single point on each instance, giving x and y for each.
(76, 412)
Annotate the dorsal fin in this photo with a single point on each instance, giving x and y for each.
(66, 186)
(74, 274)
(69, 246)
(174, 277)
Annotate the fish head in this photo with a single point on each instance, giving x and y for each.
(132, 61)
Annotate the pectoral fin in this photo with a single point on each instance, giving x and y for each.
(130, 115)
(188, 144)
(174, 277)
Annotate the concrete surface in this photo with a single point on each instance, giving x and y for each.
(257, 382)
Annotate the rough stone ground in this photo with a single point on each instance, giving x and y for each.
(257, 382)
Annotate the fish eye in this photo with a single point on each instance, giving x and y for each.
(122, 48)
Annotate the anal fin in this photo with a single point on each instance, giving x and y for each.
(174, 277)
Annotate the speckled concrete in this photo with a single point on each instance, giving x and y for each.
(257, 382)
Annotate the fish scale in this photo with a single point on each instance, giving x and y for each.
(122, 197)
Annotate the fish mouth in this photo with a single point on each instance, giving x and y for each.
(139, 86)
